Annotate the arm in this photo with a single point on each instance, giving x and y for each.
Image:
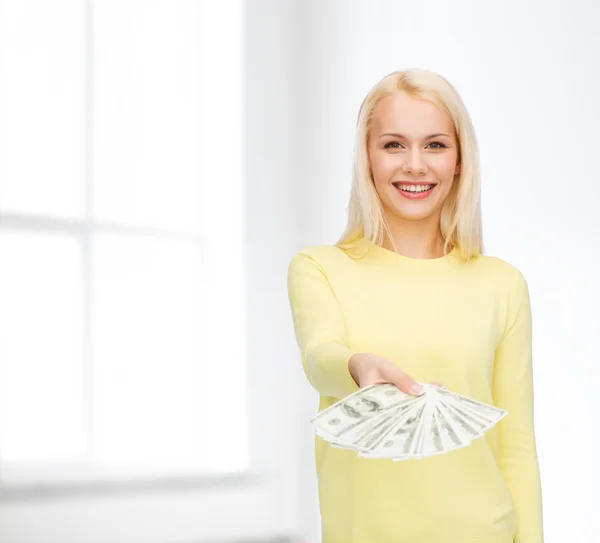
(319, 328)
(512, 389)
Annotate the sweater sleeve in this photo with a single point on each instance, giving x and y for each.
(512, 389)
(319, 328)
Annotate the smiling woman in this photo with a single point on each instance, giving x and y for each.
(412, 164)
(391, 303)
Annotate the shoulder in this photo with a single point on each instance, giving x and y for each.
(503, 272)
(312, 267)
(323, 256)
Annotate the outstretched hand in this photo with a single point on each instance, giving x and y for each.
(369, 369)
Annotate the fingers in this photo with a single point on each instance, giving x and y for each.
(405, 382)
(390, 373)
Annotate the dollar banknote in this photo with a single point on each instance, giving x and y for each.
(381, 421)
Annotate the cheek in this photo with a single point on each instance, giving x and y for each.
(382, 166)
(446, 166)
(443, 170)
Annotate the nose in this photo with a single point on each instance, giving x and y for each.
(414, 162)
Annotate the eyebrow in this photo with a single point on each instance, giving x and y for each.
(404, 137)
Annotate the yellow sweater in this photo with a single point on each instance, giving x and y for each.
(465, 325)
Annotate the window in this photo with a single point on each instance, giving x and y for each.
(122, 347)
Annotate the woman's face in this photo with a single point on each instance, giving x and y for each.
(400, 149)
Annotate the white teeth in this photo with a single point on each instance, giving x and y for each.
(414, 188)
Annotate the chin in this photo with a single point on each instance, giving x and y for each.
(416, 212)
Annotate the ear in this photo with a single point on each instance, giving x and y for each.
(457, 169)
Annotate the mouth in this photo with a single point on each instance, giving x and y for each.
(415, 190)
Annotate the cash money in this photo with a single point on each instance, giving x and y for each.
(381, 421)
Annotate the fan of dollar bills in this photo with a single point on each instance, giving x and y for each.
(381, 421)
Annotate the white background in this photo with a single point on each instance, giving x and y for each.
(529, 75)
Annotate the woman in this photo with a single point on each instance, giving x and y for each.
(407, 297)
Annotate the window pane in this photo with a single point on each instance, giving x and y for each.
(41, 346)
(158, 406)
(166, 383)
(146, 121)
(42, 91)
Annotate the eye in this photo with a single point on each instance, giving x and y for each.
(391, 145)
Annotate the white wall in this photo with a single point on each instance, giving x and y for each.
(530, 76)
(268, 505)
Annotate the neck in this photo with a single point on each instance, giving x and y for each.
(415, 242)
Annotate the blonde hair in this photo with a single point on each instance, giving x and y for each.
(460, 221)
